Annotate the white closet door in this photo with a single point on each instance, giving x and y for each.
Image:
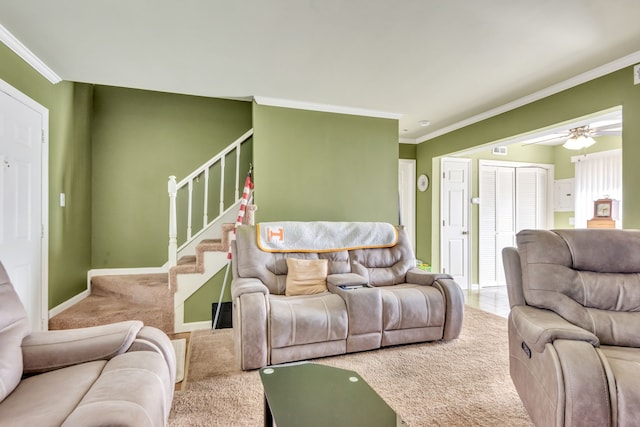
(497, 221)
(505, 219)
(531, 198)
(511, 199)
(487, 226)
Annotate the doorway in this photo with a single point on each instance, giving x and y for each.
(454, 214)
(24, 199)
(513, 196)
(407, 198)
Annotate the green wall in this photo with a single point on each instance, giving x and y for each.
(615, 89)
(140, 138)
(313, 165)
(408, 151)
(69, 106)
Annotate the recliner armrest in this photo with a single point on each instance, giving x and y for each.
(538, 327)
(247, 285)
(421, 277)
(49, 350)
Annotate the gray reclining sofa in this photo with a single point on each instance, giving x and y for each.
(398, 304)
(574, 326)
(120, 374)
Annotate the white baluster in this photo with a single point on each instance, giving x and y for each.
(205, 215)
(173, 228)
(189, 209)
(222, 163)
(237, 194)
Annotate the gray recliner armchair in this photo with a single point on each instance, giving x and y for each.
(120, 374)
(574, 326)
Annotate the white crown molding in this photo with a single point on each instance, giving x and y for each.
(618, 64)
(29, 57)
(300, 105)
(407, 141)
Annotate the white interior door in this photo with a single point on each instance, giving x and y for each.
(21, 200)
(505, 217)
(454, 233)
(407, 196)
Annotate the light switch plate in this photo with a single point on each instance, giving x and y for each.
(636, 74)
(63, 201)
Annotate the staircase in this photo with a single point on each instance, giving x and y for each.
(157, 295)
(145, 297)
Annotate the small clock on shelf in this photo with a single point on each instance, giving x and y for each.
(605, 209)
(605, 214)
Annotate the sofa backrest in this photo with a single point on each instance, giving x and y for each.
(381, 266)
(590, 277)
(14, 326)
(271, 267)
(384, 266)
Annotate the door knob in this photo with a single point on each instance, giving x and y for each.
(465, 232)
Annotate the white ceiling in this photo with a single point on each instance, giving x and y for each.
(444, 61)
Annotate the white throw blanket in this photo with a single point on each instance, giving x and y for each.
(324, 236)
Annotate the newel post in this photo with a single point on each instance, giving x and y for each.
(173, 226)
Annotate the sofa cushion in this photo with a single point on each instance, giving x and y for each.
(384, 266)
(129, 392)
(14, 326)
(409, 306)
(306, 276)
(55, 394)
(307, 319)
(625, 364)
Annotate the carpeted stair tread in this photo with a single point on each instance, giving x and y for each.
(185, 265)
(189, 264)
(103, 309)
(139, 288)
(212, 245)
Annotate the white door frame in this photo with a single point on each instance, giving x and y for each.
(409, 192)
(44, 279)
(468, 230)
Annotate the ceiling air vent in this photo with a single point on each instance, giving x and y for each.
(500, 151)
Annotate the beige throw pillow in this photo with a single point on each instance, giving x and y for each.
(306, 276)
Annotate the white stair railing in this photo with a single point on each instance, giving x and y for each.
(203, 171)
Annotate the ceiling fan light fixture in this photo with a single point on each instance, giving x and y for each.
(579, 138)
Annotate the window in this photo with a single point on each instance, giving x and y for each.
(598, 176)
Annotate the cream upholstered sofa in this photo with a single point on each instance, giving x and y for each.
(574, 326)
(114, 375)
(398, 303)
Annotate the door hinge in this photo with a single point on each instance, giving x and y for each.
(443, 222)
(444, 270)
(42, 231)
(444, 175)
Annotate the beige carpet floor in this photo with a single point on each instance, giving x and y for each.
(457, 383)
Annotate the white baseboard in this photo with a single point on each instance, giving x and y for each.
(68, 303)
(192, 326)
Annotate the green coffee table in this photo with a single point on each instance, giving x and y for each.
(313, 395)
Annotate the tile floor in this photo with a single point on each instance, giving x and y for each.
(492, 299)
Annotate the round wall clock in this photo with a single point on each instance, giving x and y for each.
(423, 182)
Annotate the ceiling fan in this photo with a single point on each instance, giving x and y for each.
(593, 129)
